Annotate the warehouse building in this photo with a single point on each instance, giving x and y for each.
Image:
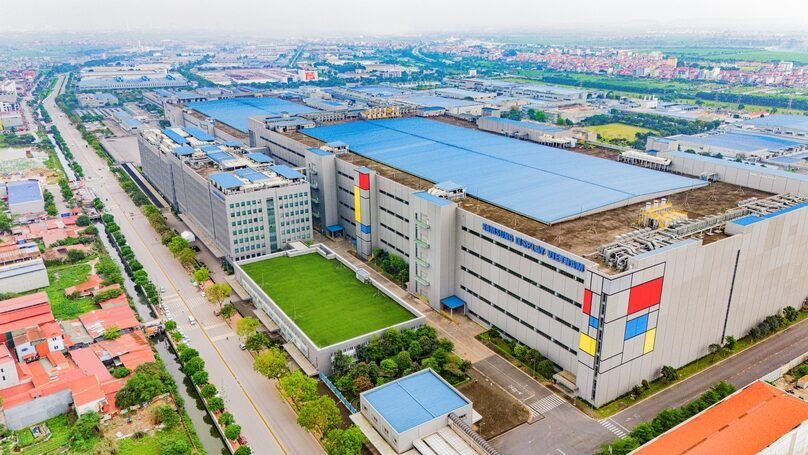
(131, 83)
(24, 196)
(786, 125)
(759, 419)
(610, 270)
(531, 131)
(239, 202)
(731, 145)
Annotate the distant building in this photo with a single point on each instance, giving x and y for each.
(21, 267)
(25, 196)
(742, 145)
(131, 83)
(98, 99)
(759, 419)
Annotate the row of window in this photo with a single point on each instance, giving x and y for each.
(243, 204)
(520, 276)
(259, 219)
(386, 210)
(283, 147)
(394, 231)
(243, 249)
(519, 298)
(523, 254)
(248, 230)
(391, 246)
(393, 196)
(246, 212)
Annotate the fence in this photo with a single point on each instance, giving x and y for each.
(336, 392)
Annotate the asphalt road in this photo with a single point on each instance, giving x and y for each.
(267, 422)
(740, 370)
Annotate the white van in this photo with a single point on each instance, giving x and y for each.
(191, 320)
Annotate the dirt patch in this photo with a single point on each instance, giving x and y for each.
(501, 412)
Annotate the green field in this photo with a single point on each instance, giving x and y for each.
(64, 276)
(618, 131)
(324, 298)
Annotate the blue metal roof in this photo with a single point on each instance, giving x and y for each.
(210, 148)
(334, 228)
(795, 122)
(235, 112)
(184, 150)
(454, 302)
(544, 183)
(414, 400)
(440, 101)
(126, 119)
(198, 134)
(439, 201)
(251, 174)
(220, 156)
(382, 91)
(234, 143)
(259, 157)
(22, 191)
(175, 137)
(751, 219)
(285, 171)
(226, 180)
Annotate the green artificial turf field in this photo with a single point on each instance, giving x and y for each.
(324, 298)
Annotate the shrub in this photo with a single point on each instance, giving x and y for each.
(243, 450)
(232, 432)
(174, 447)
(120, 372)
(208, 390)
(226, 419)
(166, 415)
(200, 377)
(216, 404)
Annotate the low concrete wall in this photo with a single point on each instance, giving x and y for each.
(776, 374)
(38, 410)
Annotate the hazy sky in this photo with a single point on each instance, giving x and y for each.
(401, 17)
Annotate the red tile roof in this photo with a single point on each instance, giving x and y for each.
(744, 423)
(114, 302)
(98, 321)
(89, 363)
(93, 282)
(86, 390)
(30, 310)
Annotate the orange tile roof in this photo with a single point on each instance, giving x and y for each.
(23, 301)
(89, 363)
(97, 321)
(86, 390)
(114, 302)
(93, 282)
(744, 423)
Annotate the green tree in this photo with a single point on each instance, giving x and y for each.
(246, 326)
(319, 415)
(256, 342)
(84, 430)
(790, 313)
(174, 446)
(215, 294)
(170, 325)
(227, 311)
(344, 442)
(177, 244)
(389, 367)
(545, 369)
(271, 363)
(166, 415)
(243, 450)
(194, 365)
(298, 387)
(83, 220)
(200, 377)
(208, 390)
(232, 432)
(187, 257)
(187, 354)
(341, 363)
(201, 275)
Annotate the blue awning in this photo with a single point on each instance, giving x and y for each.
(226, 180)
(286, 171)
(175, 137)
(198, 134)
(184, 150)
(259, 157)
(334, 228)
(453, 302)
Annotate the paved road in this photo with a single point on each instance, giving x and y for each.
(740, 370)
(267, 422)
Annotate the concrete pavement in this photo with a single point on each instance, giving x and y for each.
(267, 422)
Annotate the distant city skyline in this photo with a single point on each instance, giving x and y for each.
(321, 18)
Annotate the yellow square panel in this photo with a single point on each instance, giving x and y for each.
(357, 204)
(588, 344)
(650, 336)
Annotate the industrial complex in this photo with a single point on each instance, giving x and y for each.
(609, 269)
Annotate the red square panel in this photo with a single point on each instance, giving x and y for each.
(587, 301)
(644, 295)
(364, 181)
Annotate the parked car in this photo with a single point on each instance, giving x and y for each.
(242, 346)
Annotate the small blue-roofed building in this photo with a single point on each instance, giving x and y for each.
(413, 408)
(25, 196)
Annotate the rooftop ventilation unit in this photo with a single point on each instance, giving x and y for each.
(448, 190)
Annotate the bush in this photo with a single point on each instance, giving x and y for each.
(243, 450)
(150, 380)
(232, 432)
(216, 404)
(200, 377)
(120, 372)
(208, 391)
(85, 429)
(170, 325)
(226, 419)
(194, 366)
(174, 447)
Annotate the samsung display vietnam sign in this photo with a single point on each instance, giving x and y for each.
(527, 244)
